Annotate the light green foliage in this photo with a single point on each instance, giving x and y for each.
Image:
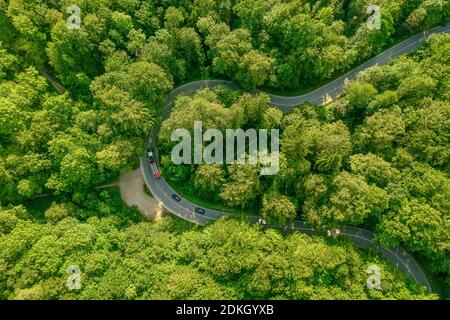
(427, 14)
(173, 18)
(254, 70)
(7, 62)
(243, 186)
(347, 200)
(323, 145)
(209, 179)
(204, 106)
(377, 156)
(12, 118)
(272, 118)
(380, 132)
(331, 144)
(417, 87)
(58, 212)
(359, 95)
(228, 259)
(277, 209)
(374, 169)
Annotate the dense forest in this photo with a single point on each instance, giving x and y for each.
(226, 260)
(378, 156)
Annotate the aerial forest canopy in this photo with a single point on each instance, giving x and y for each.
(226, 260)
(377, 157)
(76, 106)
(274, 43)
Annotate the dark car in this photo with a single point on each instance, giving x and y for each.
(200, 210)
(176, 197)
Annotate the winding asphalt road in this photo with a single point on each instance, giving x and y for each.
(360, 237)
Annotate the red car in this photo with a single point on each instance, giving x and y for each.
(153, 165)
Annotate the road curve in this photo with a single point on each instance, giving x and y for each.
(162, 192)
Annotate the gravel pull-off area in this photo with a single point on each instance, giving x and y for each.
(133, 194)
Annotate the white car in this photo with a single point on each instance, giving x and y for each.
(333, 232)
(150, 155)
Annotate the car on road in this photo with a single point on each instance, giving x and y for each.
(153, 165)
(200, 210)
(150, 154)
(176, 197)
(333, 232)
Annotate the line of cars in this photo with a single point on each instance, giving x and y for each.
(177, 198)
(157, 174)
